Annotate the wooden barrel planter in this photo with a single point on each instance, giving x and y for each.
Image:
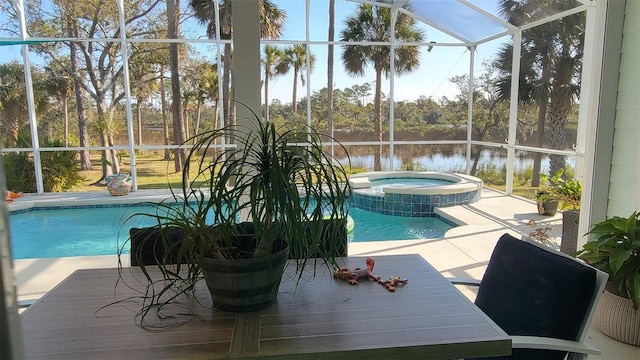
(245, 284)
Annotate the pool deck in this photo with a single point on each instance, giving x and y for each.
(463, 252)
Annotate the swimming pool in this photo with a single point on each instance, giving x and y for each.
(379, 185)
(90, 230)
(411, 193)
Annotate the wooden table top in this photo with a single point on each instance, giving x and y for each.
(320, 318)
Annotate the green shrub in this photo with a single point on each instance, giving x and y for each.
(19, 172)
(490, 174)
(60, 170)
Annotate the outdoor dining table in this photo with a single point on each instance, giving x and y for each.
(315, 317)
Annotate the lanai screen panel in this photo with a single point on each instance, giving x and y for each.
(459, 20)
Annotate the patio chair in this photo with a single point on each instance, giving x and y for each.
(541, 297)
(147, 247)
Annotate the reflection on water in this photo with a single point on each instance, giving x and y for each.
(454, 161)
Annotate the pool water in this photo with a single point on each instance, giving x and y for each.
(101, 231)
(379, 184)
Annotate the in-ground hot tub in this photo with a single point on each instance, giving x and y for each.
(409, 193)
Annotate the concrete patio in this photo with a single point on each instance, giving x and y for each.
(463, 252)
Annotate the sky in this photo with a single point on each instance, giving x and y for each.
(430, 80)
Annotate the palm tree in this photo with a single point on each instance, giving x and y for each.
(144, 63)
(296, 58)
(551, 57)
(13, 101)
(331, 36)
(275, 64)
(564, 91)
(60, 85)
(208, 89)
(143, 84)
(14, 114)
(373, 23)
(179, 132)
(272, 20)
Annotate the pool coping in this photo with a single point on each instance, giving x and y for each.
(86, 199)
(460, 182)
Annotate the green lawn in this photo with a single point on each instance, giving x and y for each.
(156, 173)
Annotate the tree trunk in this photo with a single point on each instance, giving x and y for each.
(332, 20)
(110, 166)
(13, 139)
(65, 118)
(106, 155)
(226, 81)
(266, 97)
(185, 118)
(139, 121)
(173, 14)
(196, 125)
(114, 154)
(216, 118)
(85, 159)
(558, 112)
(476, 160)
(543, 100)
(377, 121)
(215, 126)
(559, 109)
(165, 122)
(295, 89)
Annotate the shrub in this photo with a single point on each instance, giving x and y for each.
(60, 170)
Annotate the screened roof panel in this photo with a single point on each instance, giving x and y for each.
(459, 20)
(473, 21)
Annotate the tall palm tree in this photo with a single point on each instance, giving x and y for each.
(373, 23)
(60, 85)
(551, 58)
(208, 90)
(200, 85)
(274, 64)
(565, 90)
(143, 84)
(330, 37)
(272, 20)
(71, 29)
(13, 102)
(296, 58)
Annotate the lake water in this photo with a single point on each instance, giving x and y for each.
(456, 162)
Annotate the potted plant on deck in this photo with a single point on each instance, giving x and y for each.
(558, 191)
(615, 249)
(265, 200)
(547, 203)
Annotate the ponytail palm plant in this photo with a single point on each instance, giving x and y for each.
(275, 189)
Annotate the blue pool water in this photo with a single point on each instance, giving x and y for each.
(101, 231)
(379, 184)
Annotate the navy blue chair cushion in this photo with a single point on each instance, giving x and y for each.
(149, 248)
(153, 245)
(527, 290)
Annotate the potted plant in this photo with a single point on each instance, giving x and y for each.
(265, 200)
(615, 249)
(546, 201)
(558, 190)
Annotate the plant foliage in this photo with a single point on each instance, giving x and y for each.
(616, 251)
(284, 190)
(569, 191)
(60, 170)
